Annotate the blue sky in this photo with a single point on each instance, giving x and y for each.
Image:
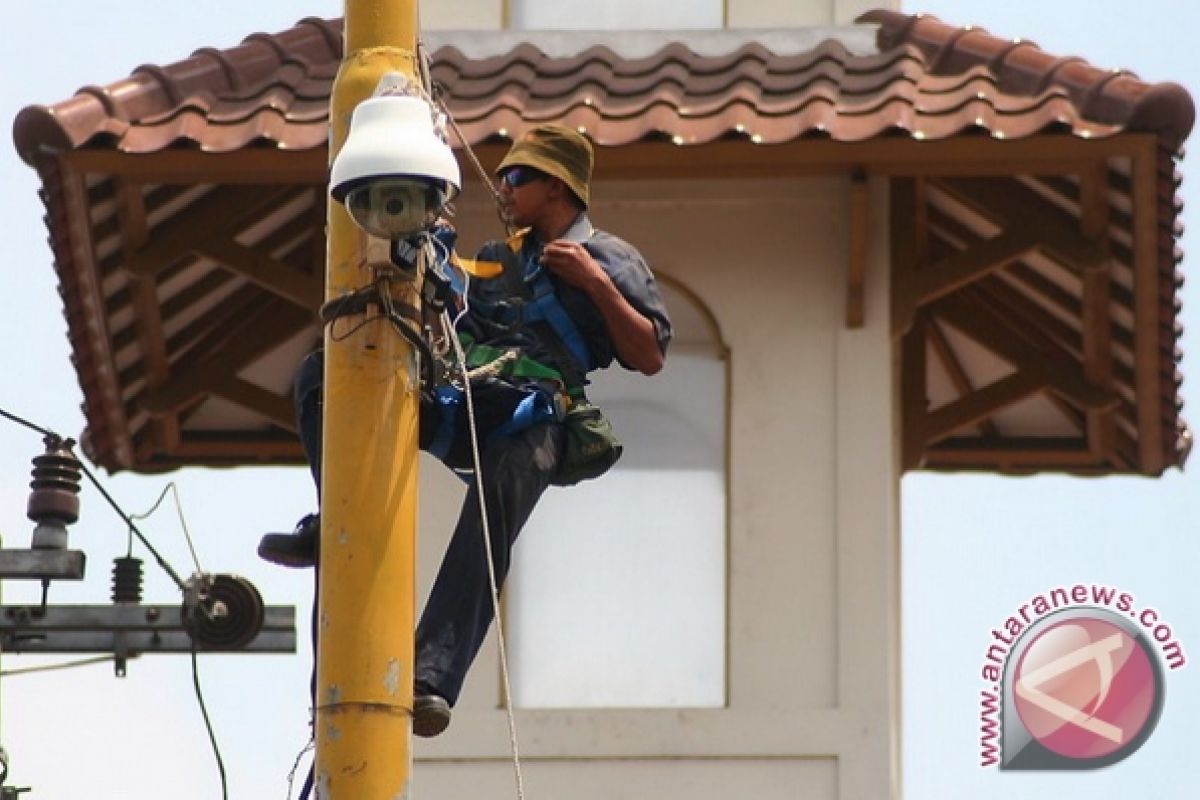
(975, 547)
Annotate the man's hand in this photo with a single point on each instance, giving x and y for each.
(571, 262)
(633, 335)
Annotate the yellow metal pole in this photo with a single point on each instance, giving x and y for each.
(369, 476)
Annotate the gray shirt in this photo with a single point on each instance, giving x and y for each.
(494, 312)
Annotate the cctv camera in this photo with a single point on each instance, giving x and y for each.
(395, 207)
(394, 173)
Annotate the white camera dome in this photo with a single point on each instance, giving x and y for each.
(394, 172)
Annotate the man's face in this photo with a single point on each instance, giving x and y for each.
(524, 195)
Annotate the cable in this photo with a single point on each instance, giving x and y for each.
(83, 662)
(162, 562)
(28, 424)
(446, 256)
(104, 493)
(212, 737)
(291, 776)
(174, 490)
(487, 546)
(414, 338)
(466, 300)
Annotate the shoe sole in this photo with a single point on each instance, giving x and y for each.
(284, 559)
(431, 716)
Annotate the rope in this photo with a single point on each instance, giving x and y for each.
(492, 368)
(437, 99)
(83, 662)
(487, 546)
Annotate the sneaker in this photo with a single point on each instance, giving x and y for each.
(431, 715)
(296, 549)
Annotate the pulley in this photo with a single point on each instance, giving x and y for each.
(222, 611)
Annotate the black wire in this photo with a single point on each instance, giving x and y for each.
(212, 737)
(120, 512)
(28, 424)
(134, 528)
(361, 324)
(417, 341)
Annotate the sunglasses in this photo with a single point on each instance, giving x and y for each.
(520, 175)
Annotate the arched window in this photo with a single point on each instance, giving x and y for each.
(618, 595)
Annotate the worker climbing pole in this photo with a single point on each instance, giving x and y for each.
(493, 353)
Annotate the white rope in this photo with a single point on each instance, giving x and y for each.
(83, 662)
(487, 545)
(440, 103)
(451, 328)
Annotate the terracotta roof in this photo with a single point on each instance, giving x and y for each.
(1114, 98)
(928, 80)
(909, 78)
(271, 88)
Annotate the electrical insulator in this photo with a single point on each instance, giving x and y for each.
(54, 501)
(127, 580)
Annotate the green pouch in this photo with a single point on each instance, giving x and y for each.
(591, 447)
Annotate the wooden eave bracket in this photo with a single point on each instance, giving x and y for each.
(979, 322)
(856, 269)
(206, 227)
(1029, 224)
(218, 368)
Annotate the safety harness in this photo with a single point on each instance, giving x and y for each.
(567, 346)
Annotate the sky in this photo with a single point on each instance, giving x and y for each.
(974, 547)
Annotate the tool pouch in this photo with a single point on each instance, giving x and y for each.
(590, 446)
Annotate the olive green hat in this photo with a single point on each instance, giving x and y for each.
(557, 151)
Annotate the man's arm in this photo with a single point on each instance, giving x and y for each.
(633, 335)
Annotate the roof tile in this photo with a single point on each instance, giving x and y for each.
(928, 80)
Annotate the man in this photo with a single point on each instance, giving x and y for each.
(612, 309)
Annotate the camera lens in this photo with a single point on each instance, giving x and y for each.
(395, 207)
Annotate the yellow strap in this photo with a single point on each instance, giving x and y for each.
(518, 239)
(491, 269)
(479, 269)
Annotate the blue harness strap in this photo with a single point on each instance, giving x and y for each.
(449, 399)
(545, 307)
(537, 406)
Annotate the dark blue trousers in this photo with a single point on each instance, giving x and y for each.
(516, 470)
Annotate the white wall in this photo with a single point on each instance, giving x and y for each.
(812, 638)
